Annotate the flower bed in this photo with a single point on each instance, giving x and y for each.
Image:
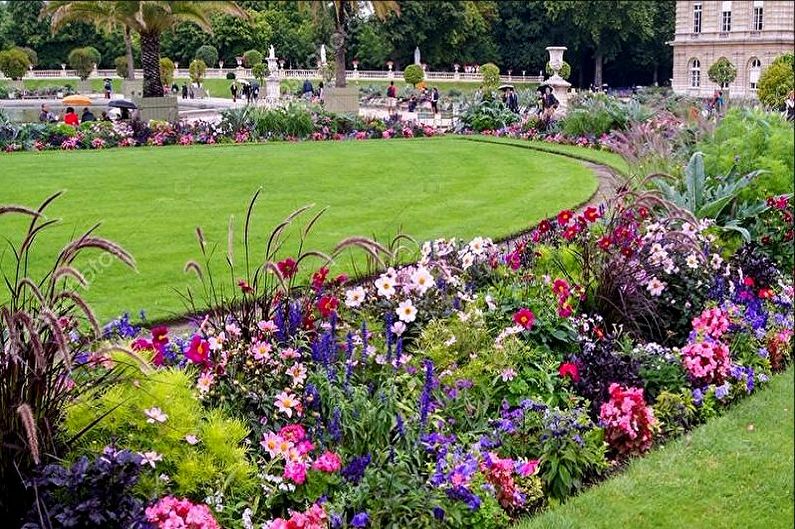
(471, 388)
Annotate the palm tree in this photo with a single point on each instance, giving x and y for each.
(150, 19)
(104, 15)
(342, 10)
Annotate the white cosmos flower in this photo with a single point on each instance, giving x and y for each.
(406, 311)
(386, 286)
(354, 297)
(476, 245)
(421, 280)
(716, 261)
(466, 260)
(655, 286)
(692, 261)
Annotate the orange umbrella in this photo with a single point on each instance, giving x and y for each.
(76, 100)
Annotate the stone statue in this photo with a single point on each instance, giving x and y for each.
(322, 54)
(417, 55)
(271, 52)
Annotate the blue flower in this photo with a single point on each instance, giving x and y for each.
(698, 397)
(354, 471)
(722, 392)
(438, 513)
(360, 520)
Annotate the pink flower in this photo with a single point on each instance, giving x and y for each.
(294, 433)
(295, 472)
(629, 424)
(174, 513)
(569, 369)
(525, 318)
(328, 462)
(198, 351)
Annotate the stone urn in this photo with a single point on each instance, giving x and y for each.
(559, 85)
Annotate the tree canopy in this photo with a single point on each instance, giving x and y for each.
(622, 41)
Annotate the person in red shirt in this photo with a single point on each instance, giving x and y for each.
(70, 118)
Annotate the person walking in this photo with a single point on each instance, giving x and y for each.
(108, 88)
(391, 98)
(513, 101)
(87, 116)
(551, 104)
(233, 89)
(435, 101)
(321, 92)
(70, 118)
(184, 91)
(789, 107)
(307, 90)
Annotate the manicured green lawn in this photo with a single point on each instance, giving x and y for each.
(151, 200)
(734, 472)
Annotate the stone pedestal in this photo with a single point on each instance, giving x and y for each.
(345, 100)
(560, 87)
(132, 88)
(157, 108)
(84, 86)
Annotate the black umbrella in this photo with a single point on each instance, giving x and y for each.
(122, 103)
(542, 87)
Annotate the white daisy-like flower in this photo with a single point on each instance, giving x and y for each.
(191, 439)
(692, 261)
(261, 350)
(205, 381)
(467, 260)
(406, 311)
(355, 297)
(386, 286)
(716, 261)
(285, 402)
(298, 373)
(150, 458)
(655, 286)
(476, 245)
(421, 280)
(450, 341)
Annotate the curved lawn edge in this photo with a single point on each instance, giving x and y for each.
(599, 157)
(735, 471)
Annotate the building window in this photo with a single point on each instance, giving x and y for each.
(754, 70)
(697, 17)
(758, 15)
(726, 17)
(695, 73)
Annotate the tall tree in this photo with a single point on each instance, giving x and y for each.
(607, 25)
(342, 11)
(150, 19)
(107, 16)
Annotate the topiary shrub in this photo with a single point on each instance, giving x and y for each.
(722, 72)
(121, 66)
(197, 70)
(167, 70)
(208, 54)
(251, 58)
(413, 74)
(33, 57)
(491, 76)
(230, 76)
(14, 63)
(565, 70)
(82, 60)
(260, 71)
(776, 81)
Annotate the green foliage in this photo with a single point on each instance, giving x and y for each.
(260, 71)
(230, 76)
(717, 197)
(252, 58)
(597, 114)
(488, 114)
(413, 74)
(777, 81)
(750, 140)
(208, 54)
(121, 66)
(722, 71)
(491, 76)
(290, 120)
(166, 70)
(564, 72)
(33, 57)
(217, 462)
(197, 70)
(14, 63)
(83, 60)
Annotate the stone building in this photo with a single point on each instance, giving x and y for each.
(750, 33)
